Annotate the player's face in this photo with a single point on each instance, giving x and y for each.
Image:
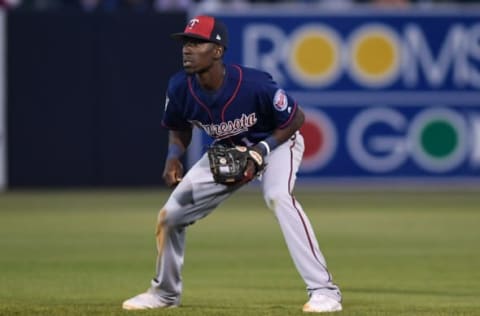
(198, 55)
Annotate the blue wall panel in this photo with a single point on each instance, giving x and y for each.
(86, 95)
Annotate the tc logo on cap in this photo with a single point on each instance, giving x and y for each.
(192, 23)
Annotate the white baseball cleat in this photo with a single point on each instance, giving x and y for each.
(321, 304)
(146, 300)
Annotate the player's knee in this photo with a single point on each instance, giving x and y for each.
(274, 196)
(171, 219)
(161, 218)
(166, 218)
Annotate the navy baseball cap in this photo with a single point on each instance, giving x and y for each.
(206, 28)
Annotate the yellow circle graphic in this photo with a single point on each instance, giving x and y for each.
(314, 55)
(375, 55)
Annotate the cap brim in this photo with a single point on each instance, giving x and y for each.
(179, 36)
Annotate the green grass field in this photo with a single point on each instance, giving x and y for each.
(83, 253)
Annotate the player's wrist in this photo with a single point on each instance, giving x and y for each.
(174, 151)
(263, 148)
(268, 145)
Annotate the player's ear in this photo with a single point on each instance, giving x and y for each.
(219, 49)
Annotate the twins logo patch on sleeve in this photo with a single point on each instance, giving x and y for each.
(280, 100)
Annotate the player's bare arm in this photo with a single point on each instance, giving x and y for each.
(282, 134)
(178, 143)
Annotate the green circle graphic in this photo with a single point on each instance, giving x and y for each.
(439, 139)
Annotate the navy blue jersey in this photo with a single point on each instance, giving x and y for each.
(245, 110)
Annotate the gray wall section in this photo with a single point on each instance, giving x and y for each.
(86, 95)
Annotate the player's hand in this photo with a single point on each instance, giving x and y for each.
(173, 172)
(254, 168)
(250, 171)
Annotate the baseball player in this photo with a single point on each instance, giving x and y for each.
(236, 106)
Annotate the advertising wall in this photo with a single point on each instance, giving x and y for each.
(387, 95)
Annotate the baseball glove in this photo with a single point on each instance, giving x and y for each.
(232, 165)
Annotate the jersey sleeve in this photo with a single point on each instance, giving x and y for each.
(173, 117)
(279, 103)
